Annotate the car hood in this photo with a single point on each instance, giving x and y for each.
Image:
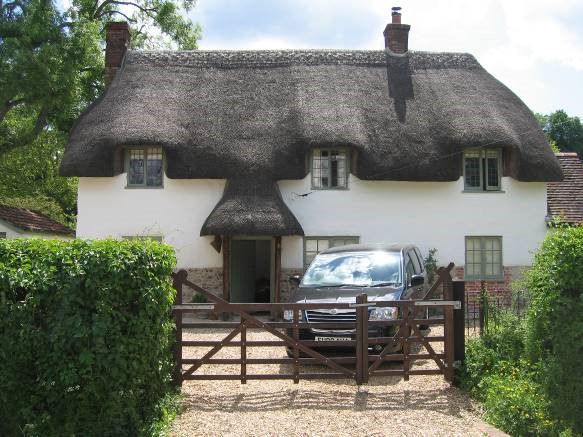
(344, 294)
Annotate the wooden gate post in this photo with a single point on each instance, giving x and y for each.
(459, 322)
(177, 281)
(361, 339)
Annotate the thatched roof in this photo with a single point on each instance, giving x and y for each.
(227, 114)
(251, 207)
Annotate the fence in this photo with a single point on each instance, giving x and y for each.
(482, 308)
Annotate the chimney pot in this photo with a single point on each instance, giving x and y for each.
(117, 42)
(397, 34)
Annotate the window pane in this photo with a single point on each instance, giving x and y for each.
(473, 257)
(136, 167)
(154, 167)
(311, 245)
(472, 172)
(493, 178)
(323, 245)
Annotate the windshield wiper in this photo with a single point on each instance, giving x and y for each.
(384, 284)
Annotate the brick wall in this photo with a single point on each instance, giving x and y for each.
(499, 290)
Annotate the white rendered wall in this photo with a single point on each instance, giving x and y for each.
(10, 231)
(106, 209)
(428, 214)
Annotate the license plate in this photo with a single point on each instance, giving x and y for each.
(333, 338)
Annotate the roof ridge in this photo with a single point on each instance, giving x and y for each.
(234, 59)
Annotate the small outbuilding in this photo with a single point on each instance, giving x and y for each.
(24, 223)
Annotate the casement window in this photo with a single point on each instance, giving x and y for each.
(145, 167)
(2, 234)
(484, 258)
(157, 238)
(315, 245)
(329, 169)
(482, 169)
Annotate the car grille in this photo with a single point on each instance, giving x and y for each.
(326, 316)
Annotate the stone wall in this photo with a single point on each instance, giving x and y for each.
(286, 287)
(211, 279)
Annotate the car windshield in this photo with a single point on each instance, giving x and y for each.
(362, 269)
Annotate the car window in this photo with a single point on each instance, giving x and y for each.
(416, 264)
(409, 268)
(362, 269)
(421, 260)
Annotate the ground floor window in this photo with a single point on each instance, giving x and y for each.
(483, 258)
(157, 238)
(2, 234)
(315, 245)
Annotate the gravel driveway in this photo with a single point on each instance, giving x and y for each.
(425, 405)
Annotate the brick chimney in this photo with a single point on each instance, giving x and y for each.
(117, 41)
(397, 34)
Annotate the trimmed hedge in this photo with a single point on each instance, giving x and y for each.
(85, 337)
(554, 338)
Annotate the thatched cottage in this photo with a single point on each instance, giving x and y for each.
(250, 162)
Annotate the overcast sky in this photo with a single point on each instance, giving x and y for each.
(535, 47)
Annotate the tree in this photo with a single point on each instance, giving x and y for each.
(52, 68)
(563, 132)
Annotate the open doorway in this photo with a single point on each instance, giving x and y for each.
(251, 270)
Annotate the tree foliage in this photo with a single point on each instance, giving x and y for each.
(52, 68)
(565, 133)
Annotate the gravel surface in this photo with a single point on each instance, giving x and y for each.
(425, 405)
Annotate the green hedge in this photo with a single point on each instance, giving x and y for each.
(554, 338)
(529, 374)
(85, 337)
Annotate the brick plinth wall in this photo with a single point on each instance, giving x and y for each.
(498, 290)
(211, 279)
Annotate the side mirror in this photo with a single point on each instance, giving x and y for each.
(295, 279)
(417, 280)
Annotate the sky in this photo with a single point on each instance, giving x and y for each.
(534, 47)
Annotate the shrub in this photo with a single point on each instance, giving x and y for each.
(502, 345)
(555, 322)
(514, 402)
(85, 337)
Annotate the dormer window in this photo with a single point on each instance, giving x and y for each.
(329, 169)
(482, 169)
(145, 166)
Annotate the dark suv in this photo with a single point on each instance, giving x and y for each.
(383, 272)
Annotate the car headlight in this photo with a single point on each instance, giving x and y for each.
(386, 313)
(289, 315)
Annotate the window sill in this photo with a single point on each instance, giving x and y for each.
(483, 192)
(330, 189)
(466, 279)
(142, 187)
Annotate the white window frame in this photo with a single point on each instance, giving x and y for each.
(483, 259)
(483, 156)
(316, 158)
(146, 150)
(331, 240)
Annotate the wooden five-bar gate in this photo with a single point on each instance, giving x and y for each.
(360, 366)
